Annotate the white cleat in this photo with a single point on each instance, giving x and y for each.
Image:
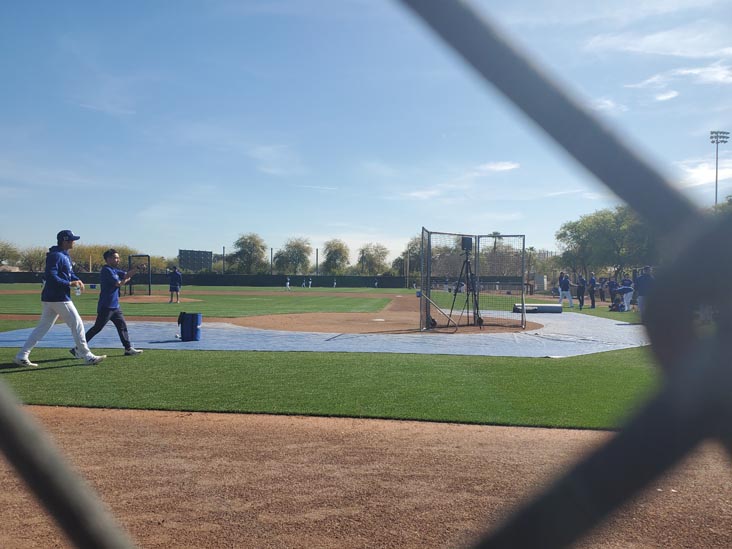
(92, 360)
(24, 362)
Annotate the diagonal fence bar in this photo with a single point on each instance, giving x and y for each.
(67, 498)
(694, 403)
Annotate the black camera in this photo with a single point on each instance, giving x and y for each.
(467, 243)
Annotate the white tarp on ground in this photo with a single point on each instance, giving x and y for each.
(565, 334)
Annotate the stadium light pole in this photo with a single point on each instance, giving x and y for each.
(717, 137)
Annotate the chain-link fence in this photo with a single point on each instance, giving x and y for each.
(694, 403)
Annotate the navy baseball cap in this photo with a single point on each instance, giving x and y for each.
(66, 235)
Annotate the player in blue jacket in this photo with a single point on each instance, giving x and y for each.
(56, 302)
(564, 290)
(643, 286)
(176, 281)
(626, 290)
(111, 279)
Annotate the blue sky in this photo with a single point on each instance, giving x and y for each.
(168, 125)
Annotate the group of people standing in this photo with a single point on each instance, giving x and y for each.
(565, 291)
(621, 294)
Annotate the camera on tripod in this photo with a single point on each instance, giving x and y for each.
(467, 243)
(467, 280)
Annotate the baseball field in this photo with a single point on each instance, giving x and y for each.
(225, 448)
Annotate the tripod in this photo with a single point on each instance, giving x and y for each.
(471, 292)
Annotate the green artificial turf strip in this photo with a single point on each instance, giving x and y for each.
(10, 325)
(591, 391)
(212, 305)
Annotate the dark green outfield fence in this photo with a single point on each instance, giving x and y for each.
(213, 279)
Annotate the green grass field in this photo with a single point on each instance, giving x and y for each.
(592, 391)
(224, 303)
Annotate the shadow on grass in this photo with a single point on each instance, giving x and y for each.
(11, 367)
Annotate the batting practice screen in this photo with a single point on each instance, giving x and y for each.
(472, 280)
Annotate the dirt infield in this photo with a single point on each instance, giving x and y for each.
(187, 480)
(399, 316)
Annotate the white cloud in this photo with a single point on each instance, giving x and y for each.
(697, 40)
(270, 159)
(554, 194)
(316, 187)
(498, 167)
(455, 189)
(423, 194)
(713, 74)
(607, 105)
(656, 81)
(716, 73)
(583, 12)
(700, 172)
(666, 95)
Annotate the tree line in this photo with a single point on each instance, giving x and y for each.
(607, 242)
(250, 255)
(86, 257)
(610, 242)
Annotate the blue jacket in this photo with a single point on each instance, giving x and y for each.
(109, 291)
(564, 283)
(59, 274)
(176, 278)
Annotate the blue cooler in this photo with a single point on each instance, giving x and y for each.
(190, 326)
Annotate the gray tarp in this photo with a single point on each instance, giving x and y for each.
(566, 334)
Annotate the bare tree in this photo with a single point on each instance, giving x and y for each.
(8, 253)
(33, 259)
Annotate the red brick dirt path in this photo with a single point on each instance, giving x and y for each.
(186, 480)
